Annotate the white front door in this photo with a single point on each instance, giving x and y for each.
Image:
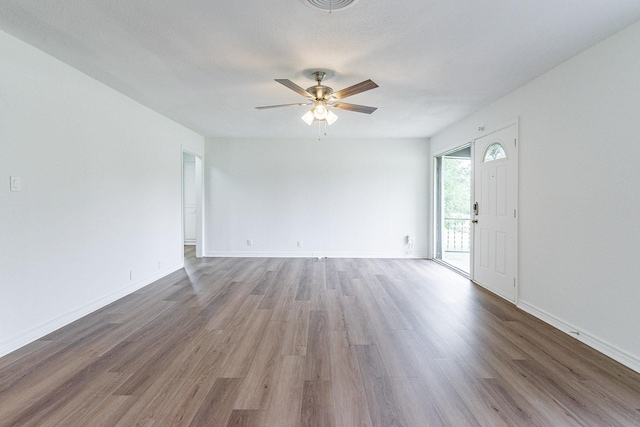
(495, 251)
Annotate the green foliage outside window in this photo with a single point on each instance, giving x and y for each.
(457, 189)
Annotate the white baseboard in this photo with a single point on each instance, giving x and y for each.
(216, 254)
(596, 343)
(49, 326)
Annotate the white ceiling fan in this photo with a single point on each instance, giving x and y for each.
(323, 99)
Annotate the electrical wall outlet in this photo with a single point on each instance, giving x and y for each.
(299, 243)
(249, 242)
(14, 183)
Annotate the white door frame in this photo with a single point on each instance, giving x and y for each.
(200, 250)
(512, 122)
(437, 207)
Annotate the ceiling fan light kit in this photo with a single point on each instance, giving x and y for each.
(323, 99)
(331, 117)
(320, 110)
(308, 117)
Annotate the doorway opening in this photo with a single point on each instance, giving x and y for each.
(189, 198)
(453, 209)
(192, 202)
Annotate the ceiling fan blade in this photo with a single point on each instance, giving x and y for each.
(355, 89)
(354, 107)
(283, 105)
(294, 87)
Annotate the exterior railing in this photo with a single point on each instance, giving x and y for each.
(457, 234)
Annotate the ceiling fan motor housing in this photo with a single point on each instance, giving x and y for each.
(320, 92)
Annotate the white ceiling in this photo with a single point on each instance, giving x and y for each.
(207, 63)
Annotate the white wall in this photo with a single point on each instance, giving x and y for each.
(339, 197)
(101, 194)
(579, 192)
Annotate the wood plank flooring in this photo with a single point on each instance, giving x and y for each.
(306, 342)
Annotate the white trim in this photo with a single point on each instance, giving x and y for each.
(596, 343)
(221, 254)
(457, 148)
(433, 238)
(49, 326)
(452, 267)
(199, 205)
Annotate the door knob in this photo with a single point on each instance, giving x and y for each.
(475, 221)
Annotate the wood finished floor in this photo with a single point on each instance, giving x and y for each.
(305, 342)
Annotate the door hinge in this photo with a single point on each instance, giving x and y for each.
(514, 282)
(515, 142)
(514, 213)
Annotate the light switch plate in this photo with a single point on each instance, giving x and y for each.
(14, 183)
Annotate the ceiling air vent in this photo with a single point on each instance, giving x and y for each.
(330, 5)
